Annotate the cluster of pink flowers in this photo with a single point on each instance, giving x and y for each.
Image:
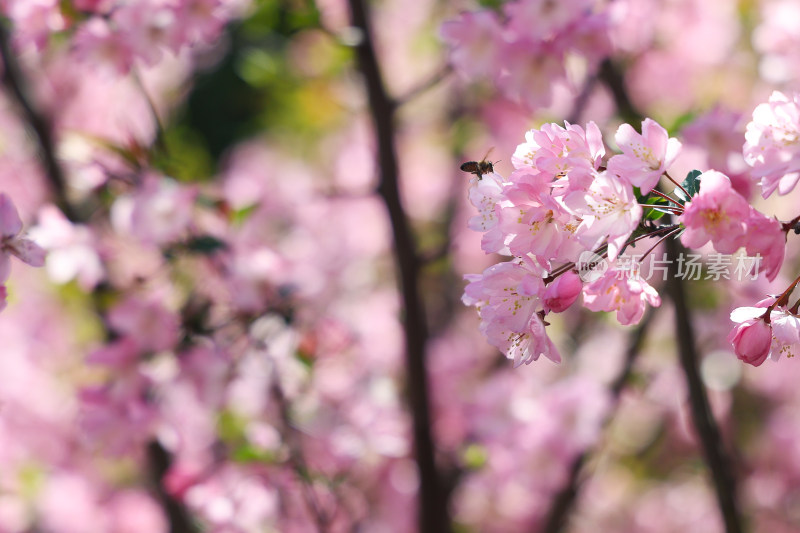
(772, 144)
(564, 206)
(765, 331)
(560, 203)
(118, 33)
(524, 50)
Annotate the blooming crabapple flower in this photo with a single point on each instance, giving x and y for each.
(644, 157)
(507, 298)
(562, 293)
(717, 213)
(528, 70)
(485, 193)
(752, 338)
(158, 213)
(148, 28)
(71, 249)
(12, 242)
(556, 150)
(473, 39)
(541, 20)
(35, 20)
(765, 237)
(785, 334)
(97, 43)
(719, 134)
(535, 229)
(609, 211)
(523, 347)
(617, 291)
(772, 143)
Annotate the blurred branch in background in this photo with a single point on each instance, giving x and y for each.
(716, 458)
(433, 513)
(564, 500)
(16, 88)
(714, 452)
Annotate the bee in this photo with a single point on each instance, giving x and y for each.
(479, 168)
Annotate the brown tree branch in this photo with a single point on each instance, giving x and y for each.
(714, 452)
(565, 498)
(14, 83)
(432, 505)
(716, 457)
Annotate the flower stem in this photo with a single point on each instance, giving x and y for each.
(670, 178)
(666, 197)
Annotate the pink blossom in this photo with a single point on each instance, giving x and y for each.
(97, 43)
(542, 20)
(535, 229)
(644, 157)
(152, 326)
(748, 336)
(148, 28)
(158, 213)
(556, 150)
(507, 298)
(717, 213)
(527, 71)
(785, 334)
(71, 249)
(772, 143)
(134, 511)
(12, 242)
(473, 39)
(752, 338)
(719, 133)
(765, 238)
(562, 293)
(617, 291)
(485, 194)
(609, 210)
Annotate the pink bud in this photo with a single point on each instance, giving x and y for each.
(751, 341)
(562, 292)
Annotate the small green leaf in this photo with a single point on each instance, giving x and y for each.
(691, 184)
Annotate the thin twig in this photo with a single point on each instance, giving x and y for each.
(582, 100)
(297, 459)
(432, 505)
(425, 85)
(670, 178)
(666, 197)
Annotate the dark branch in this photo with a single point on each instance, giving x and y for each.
(426, 85)
(565, 499)
(433, 513)
(179, 519)
(716, 458)
(711, 441)
(13, 80)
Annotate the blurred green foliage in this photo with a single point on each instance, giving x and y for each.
(277, 79)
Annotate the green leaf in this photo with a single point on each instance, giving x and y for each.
(653, 213)
(691, 184)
